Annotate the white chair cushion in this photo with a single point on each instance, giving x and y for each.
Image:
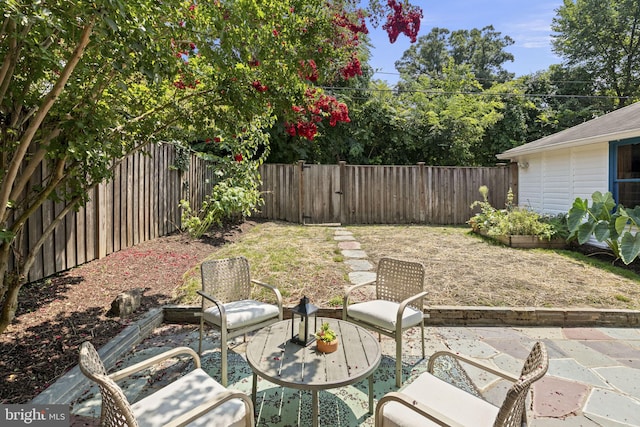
(184, 394)
(445, 398)
(384, 314)
(242, 313)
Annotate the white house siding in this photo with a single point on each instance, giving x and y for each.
(554, 178)
(530, 182)
(556, 185)
(590, 170)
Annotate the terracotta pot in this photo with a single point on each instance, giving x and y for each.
(327, 347)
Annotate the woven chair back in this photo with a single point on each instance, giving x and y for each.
(397, 279)
(227, 279)
(116, 411)
(512, 412)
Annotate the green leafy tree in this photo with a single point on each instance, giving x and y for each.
(511, 129)
(481, 49)
(562, 97)
(484, 50)
(449, 118)
(602, 37)
(84, 84)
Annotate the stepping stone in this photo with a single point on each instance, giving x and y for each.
(359, 264)
(343, 238)
(354, 254)
(342, 233)
(349, 245)
(358, 277)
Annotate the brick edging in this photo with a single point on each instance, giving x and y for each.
(479, 316)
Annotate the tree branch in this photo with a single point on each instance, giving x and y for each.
(47, 103)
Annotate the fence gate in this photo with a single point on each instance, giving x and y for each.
(321, 196)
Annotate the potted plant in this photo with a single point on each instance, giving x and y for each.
(326, 339)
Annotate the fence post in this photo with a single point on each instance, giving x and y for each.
(422, 205)
(301, 192)
(343, 173)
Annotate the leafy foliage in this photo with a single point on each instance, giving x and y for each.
(514, 220)
(325, 333)
(481, 49)
(602, 38)
(607, 222)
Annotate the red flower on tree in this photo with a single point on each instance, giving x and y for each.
(238, 157)
(401, 21)
(309, 70)
(259, 86)
(320, 106)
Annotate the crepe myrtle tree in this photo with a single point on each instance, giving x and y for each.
(84, 84)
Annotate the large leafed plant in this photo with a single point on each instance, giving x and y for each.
(606, 222)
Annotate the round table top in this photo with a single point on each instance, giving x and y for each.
(273, 356)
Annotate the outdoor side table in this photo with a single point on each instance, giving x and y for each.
(273, 357)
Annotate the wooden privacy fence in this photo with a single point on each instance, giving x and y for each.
(356, 194)
(140, 203)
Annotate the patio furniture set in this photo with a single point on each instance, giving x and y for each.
(196, 399)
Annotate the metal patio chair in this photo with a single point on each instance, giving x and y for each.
(194, 399)
(432, 401)
(398, 304)
(227, 304)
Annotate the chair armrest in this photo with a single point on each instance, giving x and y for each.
(406, 302)
(345, 300)
(123, 373)
(415, 406)
(219, 305)
(354, 287)
(473, 362)
(273, 289)
(214, 300)
(221, 398)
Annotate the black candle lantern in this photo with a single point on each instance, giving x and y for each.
(304, 335)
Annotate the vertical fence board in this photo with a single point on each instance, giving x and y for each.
(60, 240)
(90, 227)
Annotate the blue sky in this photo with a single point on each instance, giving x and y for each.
(527, 22)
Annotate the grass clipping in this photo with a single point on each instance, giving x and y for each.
(461, 269)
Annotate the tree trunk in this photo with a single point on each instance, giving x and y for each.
(10, 286)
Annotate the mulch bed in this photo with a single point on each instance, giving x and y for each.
(59, 313)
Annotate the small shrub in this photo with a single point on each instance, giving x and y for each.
(514, 220)
(622, 298)
(335, 301)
